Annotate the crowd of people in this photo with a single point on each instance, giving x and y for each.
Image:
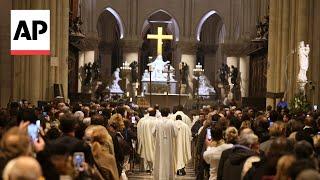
(105, 140)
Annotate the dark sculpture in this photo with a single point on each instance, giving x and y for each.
(134, 71)
(88, 74)
(234, 75)
(185, 73)
(224, 73)
(96, 72)
(263, 29)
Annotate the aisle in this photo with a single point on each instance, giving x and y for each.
(145, 176)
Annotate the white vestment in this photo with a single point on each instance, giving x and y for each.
(145, 138)
(165, 133)
(183, 144)
(185, 118)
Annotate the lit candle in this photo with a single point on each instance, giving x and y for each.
(136, 93)
(130, 99)
(137, 85)
(128, 94)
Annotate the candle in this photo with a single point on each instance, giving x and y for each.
(136, 93)
(128, 94)
(130, 99)
(137, 85)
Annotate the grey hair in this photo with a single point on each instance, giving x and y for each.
(248, 139)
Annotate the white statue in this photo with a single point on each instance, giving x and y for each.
(146, 76)
(115, 88)
(303, 61)
(205, 88)
(158, 65)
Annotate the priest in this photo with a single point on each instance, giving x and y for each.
(185, 118)
(164, 133)
(183, 145)
(145, 138)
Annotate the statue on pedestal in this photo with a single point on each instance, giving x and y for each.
(115, 88)
(224, 74)
(205, 88)
(303, 53)
(185, 73)
(158, 66)
(88, 74)
(234, 75)
(134, 71)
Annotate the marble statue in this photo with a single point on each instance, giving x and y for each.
(115, 88)
(146, 76)
(205, 88)
(303, 53)
(158, 66)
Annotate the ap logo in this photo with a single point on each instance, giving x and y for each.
(30, 32)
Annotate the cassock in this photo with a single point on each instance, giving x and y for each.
(164, 163)
(149, 143)
(183, 144)
(185, 118)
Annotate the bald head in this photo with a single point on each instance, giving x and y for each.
(23, 167)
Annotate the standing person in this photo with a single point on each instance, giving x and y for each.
(165, 133)
(185, 118)
(183, 142)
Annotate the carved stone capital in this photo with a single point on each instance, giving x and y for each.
(238, 48)
(187, 47)
(131, 45)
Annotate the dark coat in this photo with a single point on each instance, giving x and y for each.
(233, 164)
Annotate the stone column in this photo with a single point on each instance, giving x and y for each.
(244, 67)
(130, 48)
(105, 50)
(188, 55)
(6, 63)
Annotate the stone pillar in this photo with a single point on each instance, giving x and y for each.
(244, 67)
(130, 48)
(34, 76)
(105, 51)
(188, 56)
(6, 63)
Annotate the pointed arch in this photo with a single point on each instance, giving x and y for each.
(175, 25)
(118, 19)
(203, 20)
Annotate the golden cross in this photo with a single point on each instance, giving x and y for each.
(159, 37)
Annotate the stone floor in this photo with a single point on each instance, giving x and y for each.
(136, 175)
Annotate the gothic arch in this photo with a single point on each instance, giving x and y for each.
(204, 19)
(118, 20)
(173, 20)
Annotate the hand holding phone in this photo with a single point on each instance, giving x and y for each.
(78, 161)
(209, 137)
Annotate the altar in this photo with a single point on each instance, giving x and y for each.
(159, 87)
(162, 99)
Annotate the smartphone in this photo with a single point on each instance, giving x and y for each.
(133, 120)
(209, 134)
(45, 113)
(78, 160)
(270, 123)
(33, 131)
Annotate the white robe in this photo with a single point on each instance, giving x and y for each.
(185, 118)
(183, 144)
(145, 138)
(164, 163)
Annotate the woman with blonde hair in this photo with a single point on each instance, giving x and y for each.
(103, 152)
(283, 165)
